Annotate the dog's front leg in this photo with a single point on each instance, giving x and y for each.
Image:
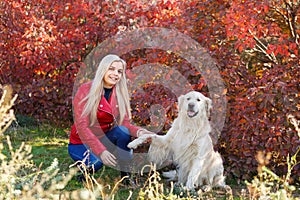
(193, 176)
(159, 150)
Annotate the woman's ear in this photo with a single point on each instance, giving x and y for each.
(180, 102)
(208, 106)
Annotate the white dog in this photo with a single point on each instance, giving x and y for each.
(189, 145)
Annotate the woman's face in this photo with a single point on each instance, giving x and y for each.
(113, 74)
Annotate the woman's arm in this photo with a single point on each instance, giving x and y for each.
(135, 131)
(132, 128)
(82, 123)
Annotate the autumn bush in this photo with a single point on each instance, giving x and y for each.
(268, 185)
(255, 44)
(264, 86)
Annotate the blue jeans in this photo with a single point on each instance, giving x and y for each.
(115, 140)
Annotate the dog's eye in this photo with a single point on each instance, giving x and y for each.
(188, 98)
(198, 99)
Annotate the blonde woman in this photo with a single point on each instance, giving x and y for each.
(102, 127)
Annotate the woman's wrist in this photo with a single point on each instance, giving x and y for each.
(139, 132)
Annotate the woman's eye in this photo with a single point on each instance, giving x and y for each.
(120, 72)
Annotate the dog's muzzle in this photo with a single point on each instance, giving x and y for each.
(191, 110)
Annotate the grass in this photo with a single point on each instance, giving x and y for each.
(48, 143)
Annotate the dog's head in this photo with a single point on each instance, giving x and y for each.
(194, 104)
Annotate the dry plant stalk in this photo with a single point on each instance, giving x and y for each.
(20, 178)
(295, 123)
(153, 188)
(93, 187)
(6, 112)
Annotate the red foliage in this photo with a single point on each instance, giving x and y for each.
(263, 84)
(255, 44)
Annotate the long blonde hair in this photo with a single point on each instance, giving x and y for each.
(94, 96)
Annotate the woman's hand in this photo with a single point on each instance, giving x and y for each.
(144, 132)
(108, 158)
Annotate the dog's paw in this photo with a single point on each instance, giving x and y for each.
(189, 185)
(227, 189)
(206, 188)
(140, 140)
(224, 187)
(134, 144)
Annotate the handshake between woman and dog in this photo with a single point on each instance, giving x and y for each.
(188, 144)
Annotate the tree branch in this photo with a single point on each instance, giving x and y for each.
(290, 17)
(263, 49)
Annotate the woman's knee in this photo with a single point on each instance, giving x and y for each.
(124, 129)
(123, 133)
(76, 151)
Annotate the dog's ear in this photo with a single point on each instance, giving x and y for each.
(208, 106)
(180, 102)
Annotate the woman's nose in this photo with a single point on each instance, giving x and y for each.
(115, 72)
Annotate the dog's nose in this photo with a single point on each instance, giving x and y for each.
(191, 106)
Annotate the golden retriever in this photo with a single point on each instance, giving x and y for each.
(189, 145)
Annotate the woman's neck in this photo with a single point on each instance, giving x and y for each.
(107, 93)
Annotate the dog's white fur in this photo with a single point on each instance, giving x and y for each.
(189, 145)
